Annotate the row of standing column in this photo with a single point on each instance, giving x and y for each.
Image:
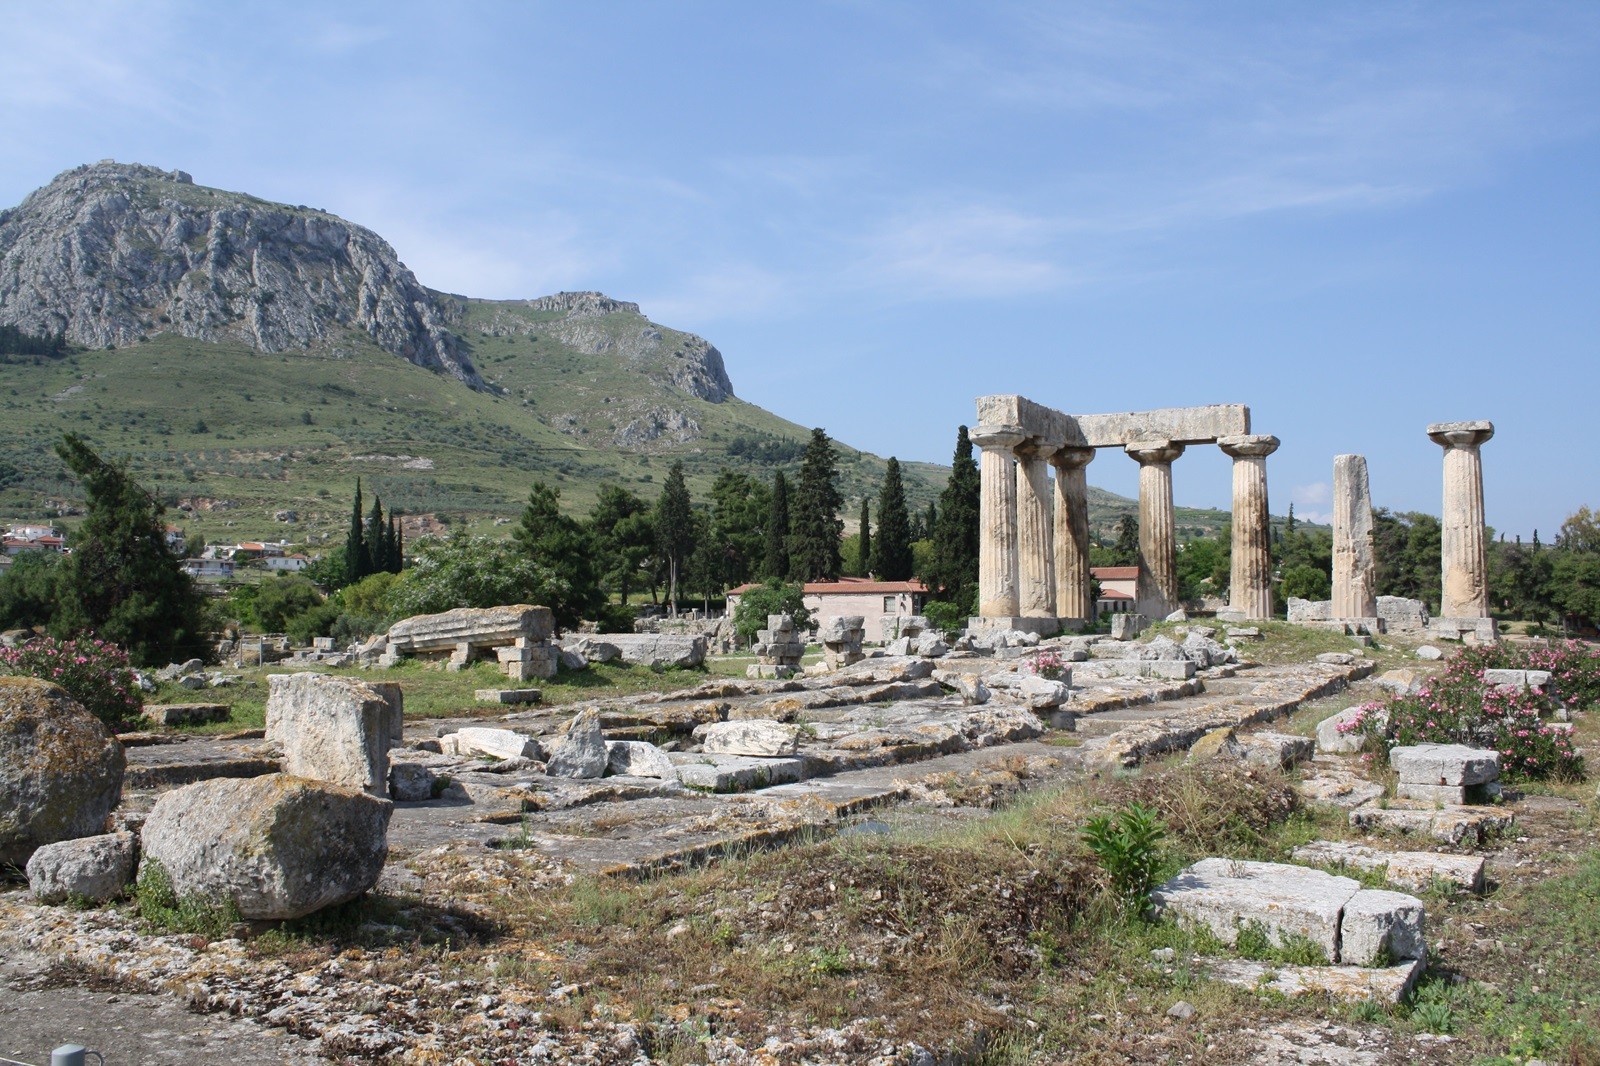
(1034, 547)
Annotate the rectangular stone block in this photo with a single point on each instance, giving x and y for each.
(508, 695)
(334, 729)
(734, 773)
(1381, 928)
(175, 714)
(1226, 895)
(1414, 870)
(1445, 764)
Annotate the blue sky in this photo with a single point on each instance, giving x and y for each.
(1355, 218)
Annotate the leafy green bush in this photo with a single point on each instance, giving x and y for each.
(94, 672)
(166, 912)
(945, 617)
(771, 598)
(1128, 845)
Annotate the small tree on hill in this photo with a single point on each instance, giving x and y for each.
(120, 582)
(892, 561)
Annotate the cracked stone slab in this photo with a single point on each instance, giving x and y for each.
(1226, 895)
(1416, 870)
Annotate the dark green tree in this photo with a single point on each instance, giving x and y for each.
(559, 545)
(953, 569)
(814, 554)
(376, 539)
(740, 513)
(892, 558)
(120, 582)
(357, 560)
(773, 597)
(1125, 552)
(864, 541)
(625, 534)
(1407, 548)
(674, 528)
(28, 591)
(775, 555)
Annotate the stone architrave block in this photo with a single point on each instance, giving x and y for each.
(60, 768)
(471, 626)
(276, 846)
(751, 736)
(334, 729)
(635, 758)
(97, 868)
(1381, 927)
(1226, 895)
(1445, 764)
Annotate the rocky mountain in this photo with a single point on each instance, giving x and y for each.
(111, 253)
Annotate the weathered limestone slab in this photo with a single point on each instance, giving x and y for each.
(1355, 566)
(507, 695)
(497, 743)
(1339, 788)
(754, 736)
(1226, 895)
(60, 768)
(277, 846)
(1381, 928)
(1349, 984)
(734, 773)
(1277, 750)
(1445, 764)
(1451, 825)
(1517, 679)
(660, 650)
(476, 626)
(1185, 425)
(175, 714)
(635, 758)
(96, 868)
(1416, 870)
(1168, 669)
(1309, 610)
(334, 729)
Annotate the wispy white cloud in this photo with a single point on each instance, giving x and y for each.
(960, 250)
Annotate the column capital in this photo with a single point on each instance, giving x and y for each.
(1146, 452)
(1036, 447)
(995, 438)
(1461, 434)
(1072, 458)
(1248, 445)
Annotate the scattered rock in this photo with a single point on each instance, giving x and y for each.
(635, 758)
(497, 743)
(582, 752)
(1182, 1010)
(1429, 652)
(97, 868)
(411, 782)
(752, 736)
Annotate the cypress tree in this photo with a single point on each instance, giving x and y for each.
(675, 529)
(357, 565)
(121, 583)
(376, 538)
(953, 570)
(931, 521)
(893, 559)
(775, 557)
(394, 551)
(815, 555)
(864, 561)
(1126, 550)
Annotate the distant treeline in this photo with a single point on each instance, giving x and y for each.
(14, 342)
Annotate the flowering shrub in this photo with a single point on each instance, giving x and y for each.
(1048, 664)
(94, 672)
(1574, 666)
(1458, 708)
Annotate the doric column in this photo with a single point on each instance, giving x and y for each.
(1073, 592)
(1036, 571)
(1466, 572)
(997, 520)
(1250, 576)
(1355, 567)
(1158, 545)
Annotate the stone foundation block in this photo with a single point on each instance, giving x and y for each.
(734, 773)
(174, 714)
(1277, 750)
(508, 695)
(1445, 764)
(1287, 901)
(1381, 928)
(1414, 870)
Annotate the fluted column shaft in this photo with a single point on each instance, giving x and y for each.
(1036, 572)
(1074, 594)
(1466, 573)
(997, 521)
(1355, 565)
(1158, 544)
(1250, 572)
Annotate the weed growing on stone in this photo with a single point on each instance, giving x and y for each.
(164, 911)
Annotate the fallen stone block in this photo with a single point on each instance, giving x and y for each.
(971, 689)
(1340, 789)
(334, 729)
(411, 782)
(60, 768)
(1042, 693)
(508, 695)
(1404, 681)
(1348, 984)
(1276, 750)
(96, 868)
(1415, 870)
(659, 650)
(1337, 658)
(472, 626)
(1380, 928)
(1250, 633)
(1445, 764)
(1336, 741)
(1451, 825)
(1226, 895)
(635, 758)
(1128, 626)
(276, 846)
(582, 752)
(496, 743)
(1429, 653)
(176, 714)
(751, 736)
(734, 773)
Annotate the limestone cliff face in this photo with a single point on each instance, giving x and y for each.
(111, 252)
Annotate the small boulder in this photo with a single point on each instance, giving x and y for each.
(411, 782)
(1429, 652)
(931, 646)
(97, 868)
(636, 758)
(1042, 693)
(571, 660)
(496, 743)
(60, 768)
(1217, 744)
(1337, 735)
(582, 752)
(276, 846)
(971, 688)
(752, 736)
(1336, 658)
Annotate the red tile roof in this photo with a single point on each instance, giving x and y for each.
(1113, 594)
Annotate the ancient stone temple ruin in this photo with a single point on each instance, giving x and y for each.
(1464, 599)
(1034, 539)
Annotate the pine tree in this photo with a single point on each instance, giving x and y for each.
(864, 561)
(775, 557)
(562, 546)
(892, 562)
(357, 563)
(953, 570)
(815, 554)
(675, 529)
(121, 583)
